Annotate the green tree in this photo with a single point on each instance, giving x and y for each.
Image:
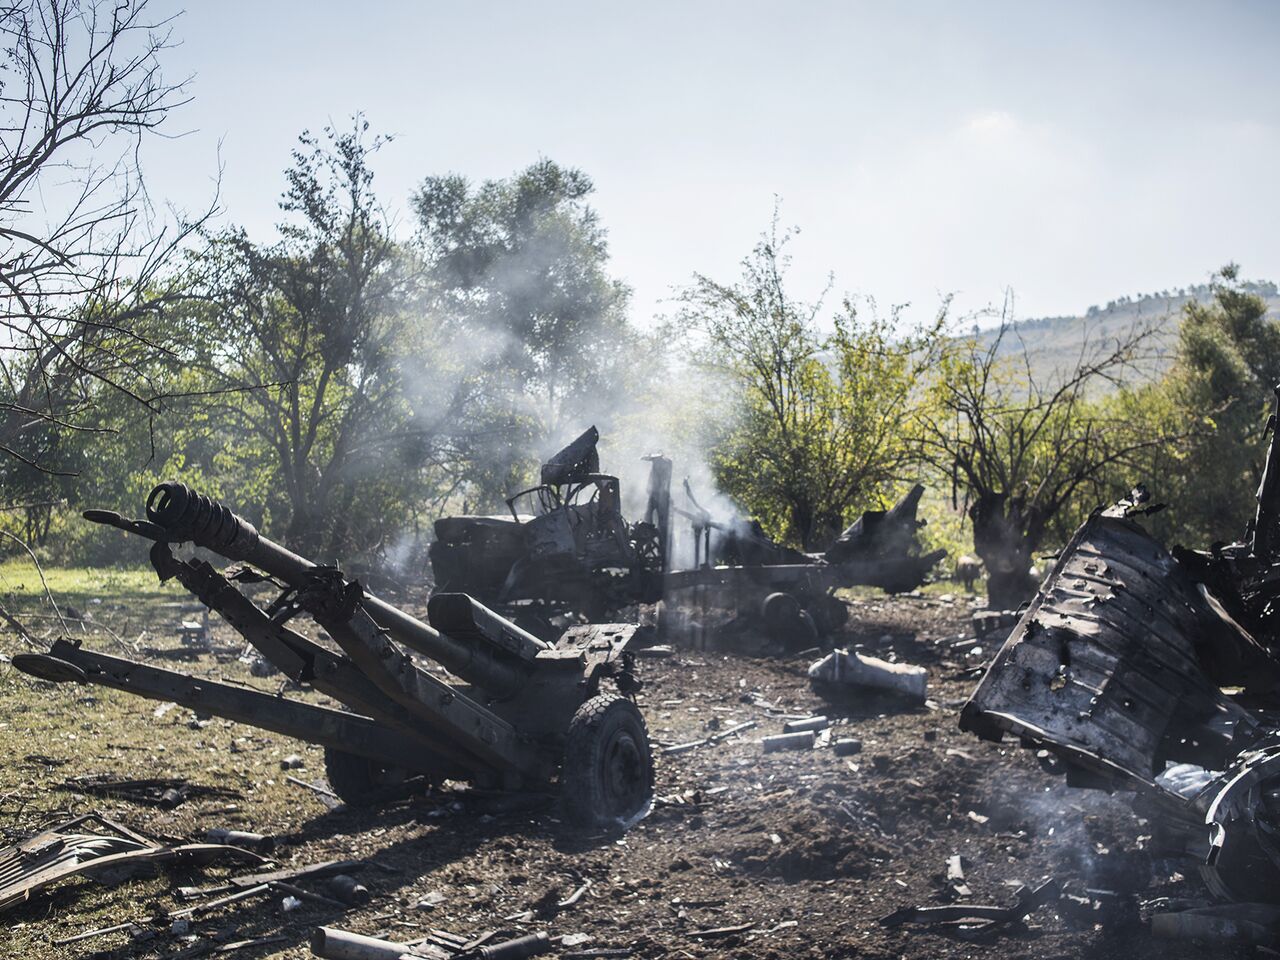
(817, 424)
(1022, 446)
(518, 269)
(1227, 366)
(307, 344)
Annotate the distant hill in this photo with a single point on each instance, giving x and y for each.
(1054, 343)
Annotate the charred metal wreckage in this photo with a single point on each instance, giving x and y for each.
(1158, 672)
(527, 713)
(566, 548)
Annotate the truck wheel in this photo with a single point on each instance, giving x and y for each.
(829, 614)
(837, 613)
(787, 623)
(607, 778)
(359, 781)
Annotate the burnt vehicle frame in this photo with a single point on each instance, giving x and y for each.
(522, 713)
(578, 556)
(575, 554)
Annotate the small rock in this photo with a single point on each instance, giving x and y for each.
(429, 902)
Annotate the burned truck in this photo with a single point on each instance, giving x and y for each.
(512, 711)
(564, 545)
(564, 548)
(1157, 671)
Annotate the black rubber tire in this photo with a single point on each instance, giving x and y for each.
(359, 781)
(805, 633)
(607, 777)
(787, 623)
(829, 614)
(779, 611)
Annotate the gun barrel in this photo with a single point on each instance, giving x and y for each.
(185, 515)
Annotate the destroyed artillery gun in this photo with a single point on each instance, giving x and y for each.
(1154, 671)
(572, 552)
(527, 713)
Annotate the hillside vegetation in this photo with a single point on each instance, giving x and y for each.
(1054, 343)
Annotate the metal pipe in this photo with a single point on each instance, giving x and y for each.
(462, 616)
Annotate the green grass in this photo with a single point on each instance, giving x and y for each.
(103, 602)
(81, 586)
(51, 732)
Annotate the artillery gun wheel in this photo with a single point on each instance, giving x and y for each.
(359, 781)
(607, 778)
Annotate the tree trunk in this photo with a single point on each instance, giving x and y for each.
(303, 531)
(998, 538)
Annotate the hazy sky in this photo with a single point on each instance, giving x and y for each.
(1070, 151)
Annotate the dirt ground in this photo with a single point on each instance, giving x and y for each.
(807, 848)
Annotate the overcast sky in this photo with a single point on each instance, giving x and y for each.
(1070, 151)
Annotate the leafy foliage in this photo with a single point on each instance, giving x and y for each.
(520, 267)
(819, 424)
(1020, 449)
(1217, 395)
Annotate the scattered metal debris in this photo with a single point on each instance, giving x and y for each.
(803, 740)
(1240, 923)
(242, 838)
(163, 792)
(842, 673)
(196, 633)
(714, 738)
(349, 890)
(315, 871)
(846, 746)
(978, 916)
(130, 928)
(994, 625)
(334, 944)
(93, 846)
(717, 932)
(527, 946)
(955, 876)
(808, 723)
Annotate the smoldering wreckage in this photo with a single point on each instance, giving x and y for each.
(1136, 669)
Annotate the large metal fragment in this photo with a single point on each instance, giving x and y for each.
(843, 674)
(567, 549)
(1132, 670)
(93, 846)
(1104, 667)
